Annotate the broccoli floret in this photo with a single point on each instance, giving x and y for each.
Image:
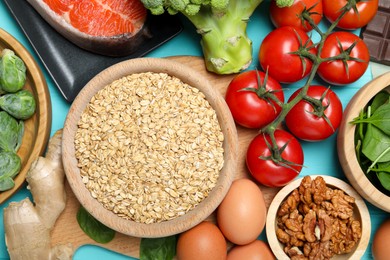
(284, 3)
(222, 25)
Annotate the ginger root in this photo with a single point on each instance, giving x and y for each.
(27, 227)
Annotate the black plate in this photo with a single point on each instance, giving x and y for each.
(70, 66)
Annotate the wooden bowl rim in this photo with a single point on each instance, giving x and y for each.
(361, 207)
(208, 205)
(345, 138)
(42, 117)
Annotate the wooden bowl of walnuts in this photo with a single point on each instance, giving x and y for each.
(362, 145)
(149, 147)
(318, 216)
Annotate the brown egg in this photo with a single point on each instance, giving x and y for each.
(241, 215)
(204, 241)
(380, 243)
(256, 250)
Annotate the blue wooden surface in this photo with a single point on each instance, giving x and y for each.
(320, 157)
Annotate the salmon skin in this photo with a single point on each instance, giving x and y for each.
(108, 27)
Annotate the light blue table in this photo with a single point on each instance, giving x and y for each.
(320, 158)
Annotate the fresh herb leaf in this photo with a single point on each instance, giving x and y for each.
(93, 228)
(384, 178)
(375, 143)
(380, 118)
(163, 248)
(381, 98)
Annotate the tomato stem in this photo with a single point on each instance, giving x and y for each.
(317, 60)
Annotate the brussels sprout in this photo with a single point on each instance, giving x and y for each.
(11, 132)
(20, 105)
(10, 164)
(12, 72)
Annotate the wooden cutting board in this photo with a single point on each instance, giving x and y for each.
(67, 230)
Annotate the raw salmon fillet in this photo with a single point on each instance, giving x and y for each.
(108, 27)
(101, 17)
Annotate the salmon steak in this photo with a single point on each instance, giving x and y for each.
(107, 27)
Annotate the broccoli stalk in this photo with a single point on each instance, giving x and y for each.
(222, 25)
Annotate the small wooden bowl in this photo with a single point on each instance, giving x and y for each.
(230, 145)
(346, 143)
(37, 128)
(360, 212)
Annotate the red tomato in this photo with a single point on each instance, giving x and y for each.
(264, 169)
(275, 54)
(292, 15)
(335, 72)
(309, 123)
(351, 20)
(247, 107)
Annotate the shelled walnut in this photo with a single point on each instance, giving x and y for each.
(317, 222)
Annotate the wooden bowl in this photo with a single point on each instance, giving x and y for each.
(360, 213)
(37, 128)
(230, 145)
(346, 143)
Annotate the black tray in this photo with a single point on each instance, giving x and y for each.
(70, 66)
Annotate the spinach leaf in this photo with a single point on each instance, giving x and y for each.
(375, 143)
(11, 132)
(381, 98)
(380, 118)
(382, 167)
(93, 228)
(163, 248)
(384, 178)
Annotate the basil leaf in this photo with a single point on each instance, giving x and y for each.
(93, 228)
(375, 142)
(384, 178)
(163, 248)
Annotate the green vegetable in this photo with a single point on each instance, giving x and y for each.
(10, 165)
(163, 248)
(222, 25)
(11, 132)
(372, 138)
(12, 72)
(20, 105)
(93, 228)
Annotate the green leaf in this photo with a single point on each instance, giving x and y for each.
(380, 118)
(375, 142)
(163, 248)
(93, 228)
(384, 178)
(381, 98)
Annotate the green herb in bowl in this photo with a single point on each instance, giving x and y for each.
(372, 140)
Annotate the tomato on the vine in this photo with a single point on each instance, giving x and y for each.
(351, 20)
(249, 108)
(276, 55)
(335, 71)
(315, 122)
(292, 15)
(267, 171)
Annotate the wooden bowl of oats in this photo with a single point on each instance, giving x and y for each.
(149, 147)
